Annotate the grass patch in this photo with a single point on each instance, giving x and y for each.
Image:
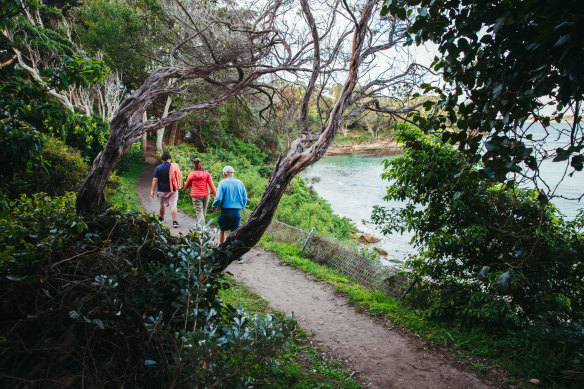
(125, 194)
(302, 366)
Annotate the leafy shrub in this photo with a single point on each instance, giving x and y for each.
(495, 257)
(87, 134)
(248, 151)
(113, 300)
(133, 156)
(494, 239)
(63, 170)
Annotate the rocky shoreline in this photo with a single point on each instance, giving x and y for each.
(383, 146)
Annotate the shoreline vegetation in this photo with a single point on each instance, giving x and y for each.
(378, 146)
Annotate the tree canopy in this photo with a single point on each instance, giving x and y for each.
(506, 64)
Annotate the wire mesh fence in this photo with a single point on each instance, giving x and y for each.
(367, 272)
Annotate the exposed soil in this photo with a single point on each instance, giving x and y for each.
(380, 355)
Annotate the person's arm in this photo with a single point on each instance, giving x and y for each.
(154, 183)
(218, 197)
(189, 181)
(244, 196)
(210, 183)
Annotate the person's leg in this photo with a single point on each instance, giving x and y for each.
(198, 206)
(163, 197)
(172, 200)
(229, 220)
(236, 224)
(204, 207)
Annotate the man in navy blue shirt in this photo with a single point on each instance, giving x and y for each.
(231, 197)
(167, 197)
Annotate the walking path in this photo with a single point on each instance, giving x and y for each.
(380, 356)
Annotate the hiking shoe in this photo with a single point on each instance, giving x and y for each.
(175, 224)
(240, 260)
(160, 219)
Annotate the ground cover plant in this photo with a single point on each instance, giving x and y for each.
(301, 366)
(125, 194)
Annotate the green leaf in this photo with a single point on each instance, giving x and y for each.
(577, 162)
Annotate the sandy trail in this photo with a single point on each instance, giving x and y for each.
(379, 356)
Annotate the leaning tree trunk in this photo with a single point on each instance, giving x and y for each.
(91, 194)
(127, 128)
(172, 136)
(297, 159)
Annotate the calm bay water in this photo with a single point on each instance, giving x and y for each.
(352, 185)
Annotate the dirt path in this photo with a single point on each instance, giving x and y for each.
(379, 356)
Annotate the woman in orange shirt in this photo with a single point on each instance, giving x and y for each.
(199, 180)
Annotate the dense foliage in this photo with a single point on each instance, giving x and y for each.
(491, 256)
(121, 34)
(494, 254)
(63, 170)
(29, 110)
(504, 63)
(113, 300)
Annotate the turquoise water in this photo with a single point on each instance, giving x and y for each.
(352, 185)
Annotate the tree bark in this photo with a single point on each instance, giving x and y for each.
(297, 159)
(173, 134)
(144, 135)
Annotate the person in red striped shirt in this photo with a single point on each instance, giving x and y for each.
(199, 181)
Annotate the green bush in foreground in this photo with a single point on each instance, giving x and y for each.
(63, 170)
(113, 300)
(302, 366)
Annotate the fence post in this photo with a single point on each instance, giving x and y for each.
(307, 239)
(404, 294)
